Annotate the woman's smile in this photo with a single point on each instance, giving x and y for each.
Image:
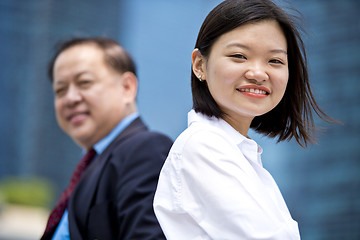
(247, 70)
(254, 91)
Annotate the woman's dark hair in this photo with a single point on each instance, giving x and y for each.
(292, 117)
(114, 55)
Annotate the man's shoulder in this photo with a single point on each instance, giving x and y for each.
(144, 139)
(148, 138)
(141, 149)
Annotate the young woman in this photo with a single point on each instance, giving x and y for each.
(249, 71)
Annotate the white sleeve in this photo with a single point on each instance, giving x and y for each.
(208, 190)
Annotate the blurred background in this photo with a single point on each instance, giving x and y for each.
(321, 184)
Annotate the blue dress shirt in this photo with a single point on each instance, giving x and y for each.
(62, 231)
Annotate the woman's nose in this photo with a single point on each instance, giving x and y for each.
(257, 73)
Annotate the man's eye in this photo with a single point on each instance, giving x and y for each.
(59, 91)
(84, 83)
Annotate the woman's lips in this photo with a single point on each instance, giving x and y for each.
(254, 91)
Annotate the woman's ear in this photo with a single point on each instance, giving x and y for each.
(198, 65)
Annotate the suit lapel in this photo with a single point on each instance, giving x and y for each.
(82, 198)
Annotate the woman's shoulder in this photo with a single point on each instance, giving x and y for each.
(198, 134)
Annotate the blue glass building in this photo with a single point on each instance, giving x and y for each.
(321, 184)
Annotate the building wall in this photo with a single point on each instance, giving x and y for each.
(323, 181)
(31, 142)
(320, 184)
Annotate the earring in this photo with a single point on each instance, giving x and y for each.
(199, 77)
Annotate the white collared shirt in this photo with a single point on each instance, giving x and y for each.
(213, 186)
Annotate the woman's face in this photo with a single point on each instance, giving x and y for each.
(247, 71)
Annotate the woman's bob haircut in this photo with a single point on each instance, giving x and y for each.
(292, 117)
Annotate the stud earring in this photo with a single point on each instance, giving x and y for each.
(199, 77)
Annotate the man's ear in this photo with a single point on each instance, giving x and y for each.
(130, 85)
(198, 64)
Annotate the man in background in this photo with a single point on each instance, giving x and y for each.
(111, 191)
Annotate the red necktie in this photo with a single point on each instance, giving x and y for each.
(61, 205)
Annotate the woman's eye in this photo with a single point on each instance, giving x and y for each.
(276, 61)
(238, 56)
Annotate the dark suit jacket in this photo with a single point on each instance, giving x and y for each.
(114, 198)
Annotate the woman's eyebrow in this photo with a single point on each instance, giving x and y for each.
(239, 45)
(279, 51)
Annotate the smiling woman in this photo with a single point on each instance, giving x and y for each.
(242, 62)
(248, 71)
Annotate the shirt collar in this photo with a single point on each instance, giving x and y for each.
(104, 143)
(240, 140)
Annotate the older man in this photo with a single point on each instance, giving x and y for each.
(111, 191)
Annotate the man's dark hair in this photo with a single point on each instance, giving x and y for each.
(114, 55)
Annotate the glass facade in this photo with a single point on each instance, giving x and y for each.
(321, 184)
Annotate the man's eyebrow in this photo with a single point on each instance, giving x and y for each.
(79, 74)
(75, 77)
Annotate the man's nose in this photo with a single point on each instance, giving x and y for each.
(73, 95)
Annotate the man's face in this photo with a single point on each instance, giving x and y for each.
(90, 97)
